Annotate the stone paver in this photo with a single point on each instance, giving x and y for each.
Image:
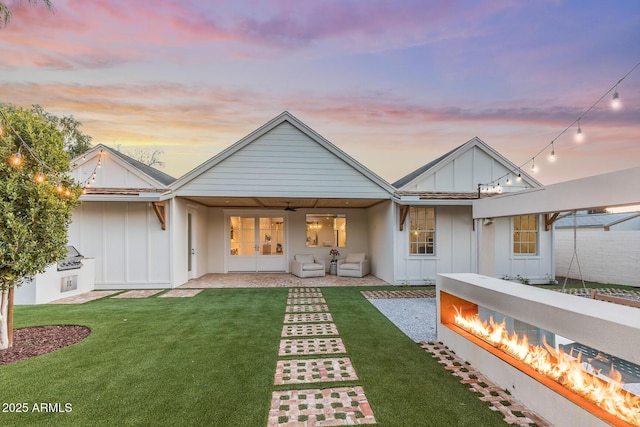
(309, 329)
(308, 317)
(514, 411)
(415, 293)
(139, 293)
(309, 308)
(314, 407)
(305, 294)
(180, 293)
(304, 291)
(300, 371)
(85, 297)
(311, 346)
(303, 300)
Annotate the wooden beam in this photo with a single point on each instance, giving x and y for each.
(549, 219)
(404, 211)
(160, 213)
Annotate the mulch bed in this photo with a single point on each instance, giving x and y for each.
(38, 340)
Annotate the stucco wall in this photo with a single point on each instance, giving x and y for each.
(604, 256)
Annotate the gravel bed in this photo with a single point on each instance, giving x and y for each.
(416, 317)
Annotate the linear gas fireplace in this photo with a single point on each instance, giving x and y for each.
(575, 361)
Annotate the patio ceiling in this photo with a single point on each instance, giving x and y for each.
(282, 202)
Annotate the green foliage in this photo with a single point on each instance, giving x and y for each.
(5, 12)
(75, 141)
(33, 216)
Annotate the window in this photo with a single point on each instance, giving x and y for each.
(422, 231)
(326, 230)
(525, 234)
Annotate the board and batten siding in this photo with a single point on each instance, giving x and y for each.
(454, 248)
(125, 239)
(464, 173)
(110, 175)
(283, 162)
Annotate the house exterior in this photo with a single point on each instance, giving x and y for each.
(285, 190)
(444, 191)
(594, 241)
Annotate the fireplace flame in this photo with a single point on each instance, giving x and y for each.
(559, 366)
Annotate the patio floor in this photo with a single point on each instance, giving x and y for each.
(277, 280)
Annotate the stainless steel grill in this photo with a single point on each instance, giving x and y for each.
(72, 261)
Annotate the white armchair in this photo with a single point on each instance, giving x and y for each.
(356, 265)
(306, 265)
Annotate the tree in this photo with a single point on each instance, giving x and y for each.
(36, 201)
(5, 12)
(149, 158)
(75, 142)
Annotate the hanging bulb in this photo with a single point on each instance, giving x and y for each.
(552, 155)
(39, 178)
(508, 181)
(616, 104)
(100, 163)
(16, 159)
(533, 166)
(579, 135)
(519, 177)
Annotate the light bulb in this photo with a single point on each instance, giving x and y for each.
(39, 178)
(616, 104)
(508, 182)
(579, 135)
(16, 159)
(519, 177)
(59, 188)
(552, 155)
(533, 166)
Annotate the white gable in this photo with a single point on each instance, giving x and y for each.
(110, 171)
(464, 169)
(284, 161)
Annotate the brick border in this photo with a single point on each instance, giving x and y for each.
(514, 411)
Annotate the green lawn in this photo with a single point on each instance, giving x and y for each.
(210, 360)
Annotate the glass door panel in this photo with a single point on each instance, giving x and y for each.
(256, 243)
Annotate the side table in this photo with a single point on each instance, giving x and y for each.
(333, 268)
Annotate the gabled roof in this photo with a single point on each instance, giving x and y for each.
(446, 158)
(270, 125)
(416, 173)
(596, 220)
(155, 177)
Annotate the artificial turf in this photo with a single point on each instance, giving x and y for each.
(210, 360)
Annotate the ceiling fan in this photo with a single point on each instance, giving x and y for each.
(289, 208)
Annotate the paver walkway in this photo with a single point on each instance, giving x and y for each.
(306, 317)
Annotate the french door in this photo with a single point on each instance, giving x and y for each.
(256, 243)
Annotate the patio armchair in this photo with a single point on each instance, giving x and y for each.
(356, 265)
(306, 265)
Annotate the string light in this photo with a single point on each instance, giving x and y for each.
(552, 155)
(17, 159)
(579, 135)
(615, 105)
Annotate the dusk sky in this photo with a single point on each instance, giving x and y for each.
(395, 84)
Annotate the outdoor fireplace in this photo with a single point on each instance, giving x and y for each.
(546, 316)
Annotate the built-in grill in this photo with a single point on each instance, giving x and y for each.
(72, 261)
